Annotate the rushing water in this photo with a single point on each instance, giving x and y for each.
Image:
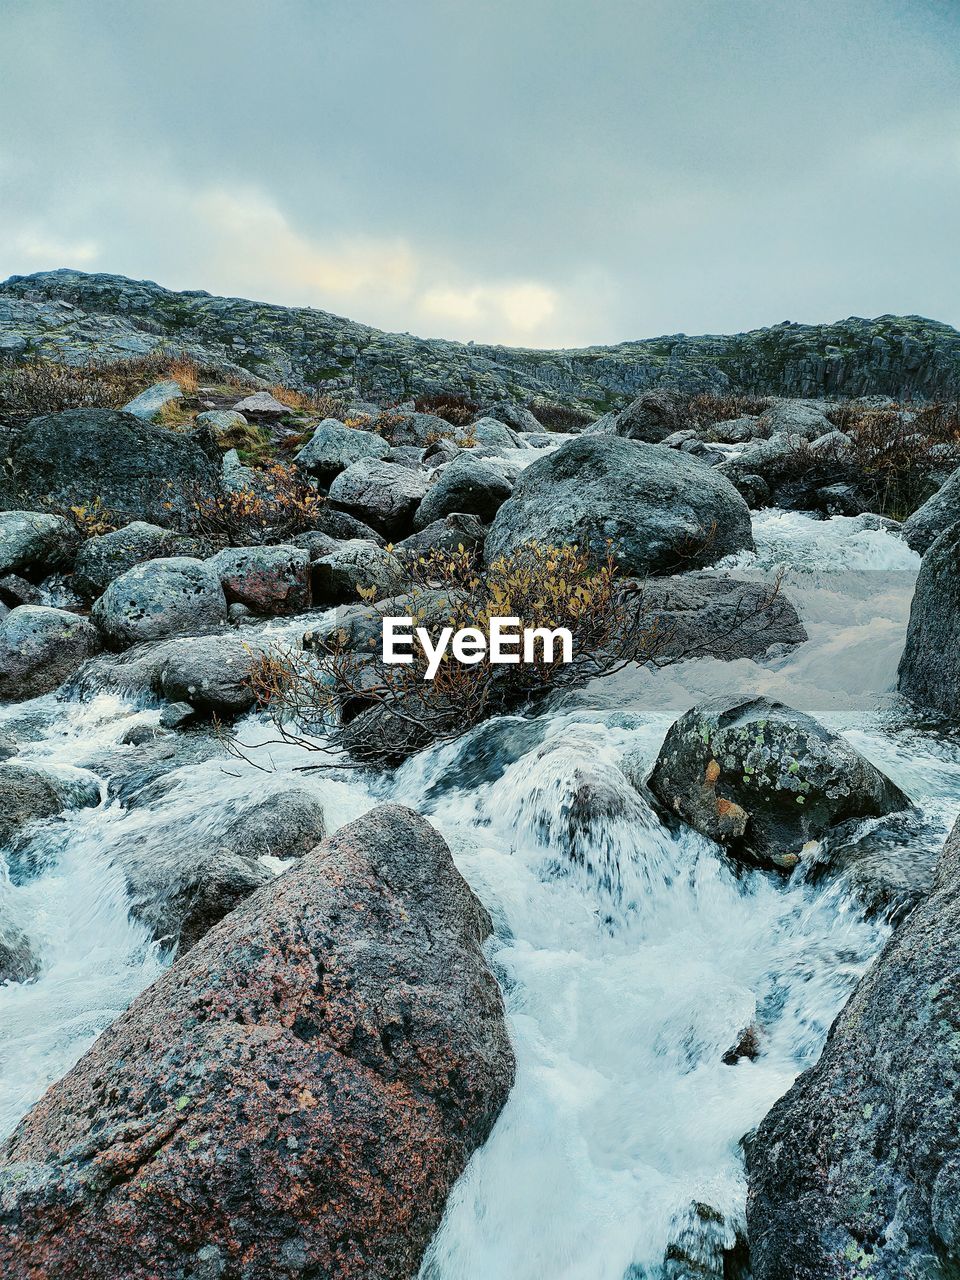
(630, 958)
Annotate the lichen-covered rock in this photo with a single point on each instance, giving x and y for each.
(34, 543)
(855, 1172)
(158, 599)
(449, 534)
(468, 485)
(763, 780)
(381, 494)
(267, 580)
(333, 447)
(138, 471)
(102, 559)
(654, 509)
(228, 429)
(150, 404)
(323, 1062)
(31, 795)
(261, 404)
(339, 577)
(934, 517)
(41, 647)
(652, 417)
(930, 666)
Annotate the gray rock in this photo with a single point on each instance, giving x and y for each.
(338, 577)
(102, 559)
(40, 648)
(316, 544)
(796, 418)
(158, 599)
(266, 580)
(936, 515)
(360, 626)
(18, 960)
(468, 485)
(9, 746)
(422, 429)
(452, 532)
(35, 543)
(930, 667)
(15, 591)
(517, 416)
(288, 824)
(406, 455)
(228, 429)
(651, 418)
(30, 795)
(261, 405)
(342, 527)
(333, 447)
(763, 780)
(491, 435)
(150, 404)
(855, 1171)
(655, 509)
(175, 715)
(381, 494)
(136, 469)
(736, 430)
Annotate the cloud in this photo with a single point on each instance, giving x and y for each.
(523, 308)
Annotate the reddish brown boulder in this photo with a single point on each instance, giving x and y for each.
(295, 1097)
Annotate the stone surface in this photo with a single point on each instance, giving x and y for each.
(261, 405)
(656, 510)
(31, 795)
(333, 447)
(763, 780)
(150, 404)
(228, 429)
(454, 531)
(137, 470)
(347, 999)
(34, 543)
(102, 559)
(339, 576)
(934, 517)
(468, 485)
(267, 580)
(380, 494)
(158, 599)
(855, 1172)
(41, 647)
(930, 667)
(652, 417)
(18, 960)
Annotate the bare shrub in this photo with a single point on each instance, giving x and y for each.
(282, 505)
(455, 409)
(705, 408)
(565, 418)
(49, 386)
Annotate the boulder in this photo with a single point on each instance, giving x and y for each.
(804, 418)
(855, 1172)
(736, 430)
(175, 596)
(150, 404)
(137, 470)
(323, 1062)
(654, 509)
(764, 780)
(342, 527)
(454, 531)
(517, 416)
(261, 404)
(422, 429)
(102, 559)
(35, 543)
(316, 544)
(31, 795)
(468, 485)
(490, 435)
(339, 577)
(333, 447)
(936, 515)
(652, 417)
(267, 580)
(381, 494)
(41, 647)
(930, 666)
(228, 429)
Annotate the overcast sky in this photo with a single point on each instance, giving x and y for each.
(537, 172)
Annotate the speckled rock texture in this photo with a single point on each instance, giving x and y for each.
(657, 510)
(267, 580)
(763, 779)
(467, 485)
(33, 542)
(930, 666)
(855, 1172)
(936, 515)
(40, 647)
(102, 559)
(381, 494)
(294, 1098)
(178, 595)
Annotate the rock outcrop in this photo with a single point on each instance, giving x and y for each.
(855, 1172)
(930, 666)
(296, 1096)
(934, 517)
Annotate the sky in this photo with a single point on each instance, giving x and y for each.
(533, 172)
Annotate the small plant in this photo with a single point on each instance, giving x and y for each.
(565, 418)
(282, 505)
(186, 373)
(41, 385)
(705, 408)
(92, 520)
(455, 409)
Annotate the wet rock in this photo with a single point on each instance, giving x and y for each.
(855, 1172)
(489, 435)
(158, 599)
(30, 795)
(139, 471)
(704, 1246)
(936, 515)
(360, 626)
(18, 960)
(449, 534)
(35, 543)
(261, 405)
(469, 485)
(348, 998)
(333, 447)
(930, 667)
(8, 746)
(652, 417)
(339, 577)
(763, 780)
(655, 509)
(381, 494)
(150, 404)
(102, 559)
(175, 715)
(40, 648)
(267, 580)
(516, 416)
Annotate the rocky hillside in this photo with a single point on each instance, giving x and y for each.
(75, 316)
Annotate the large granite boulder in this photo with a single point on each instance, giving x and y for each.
(296, 1096)
(855, 1172)
(265, 580)
(655, 509)
(34, 543)
(381, 494)
(333, 447)
(161, 598)
(468, 485)
(102, 559)
(31, 795)
(764, 780)
(930, 666)
(355, 566)
(651, 417)
(139, 471)
(936, 515)
(40, 647)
